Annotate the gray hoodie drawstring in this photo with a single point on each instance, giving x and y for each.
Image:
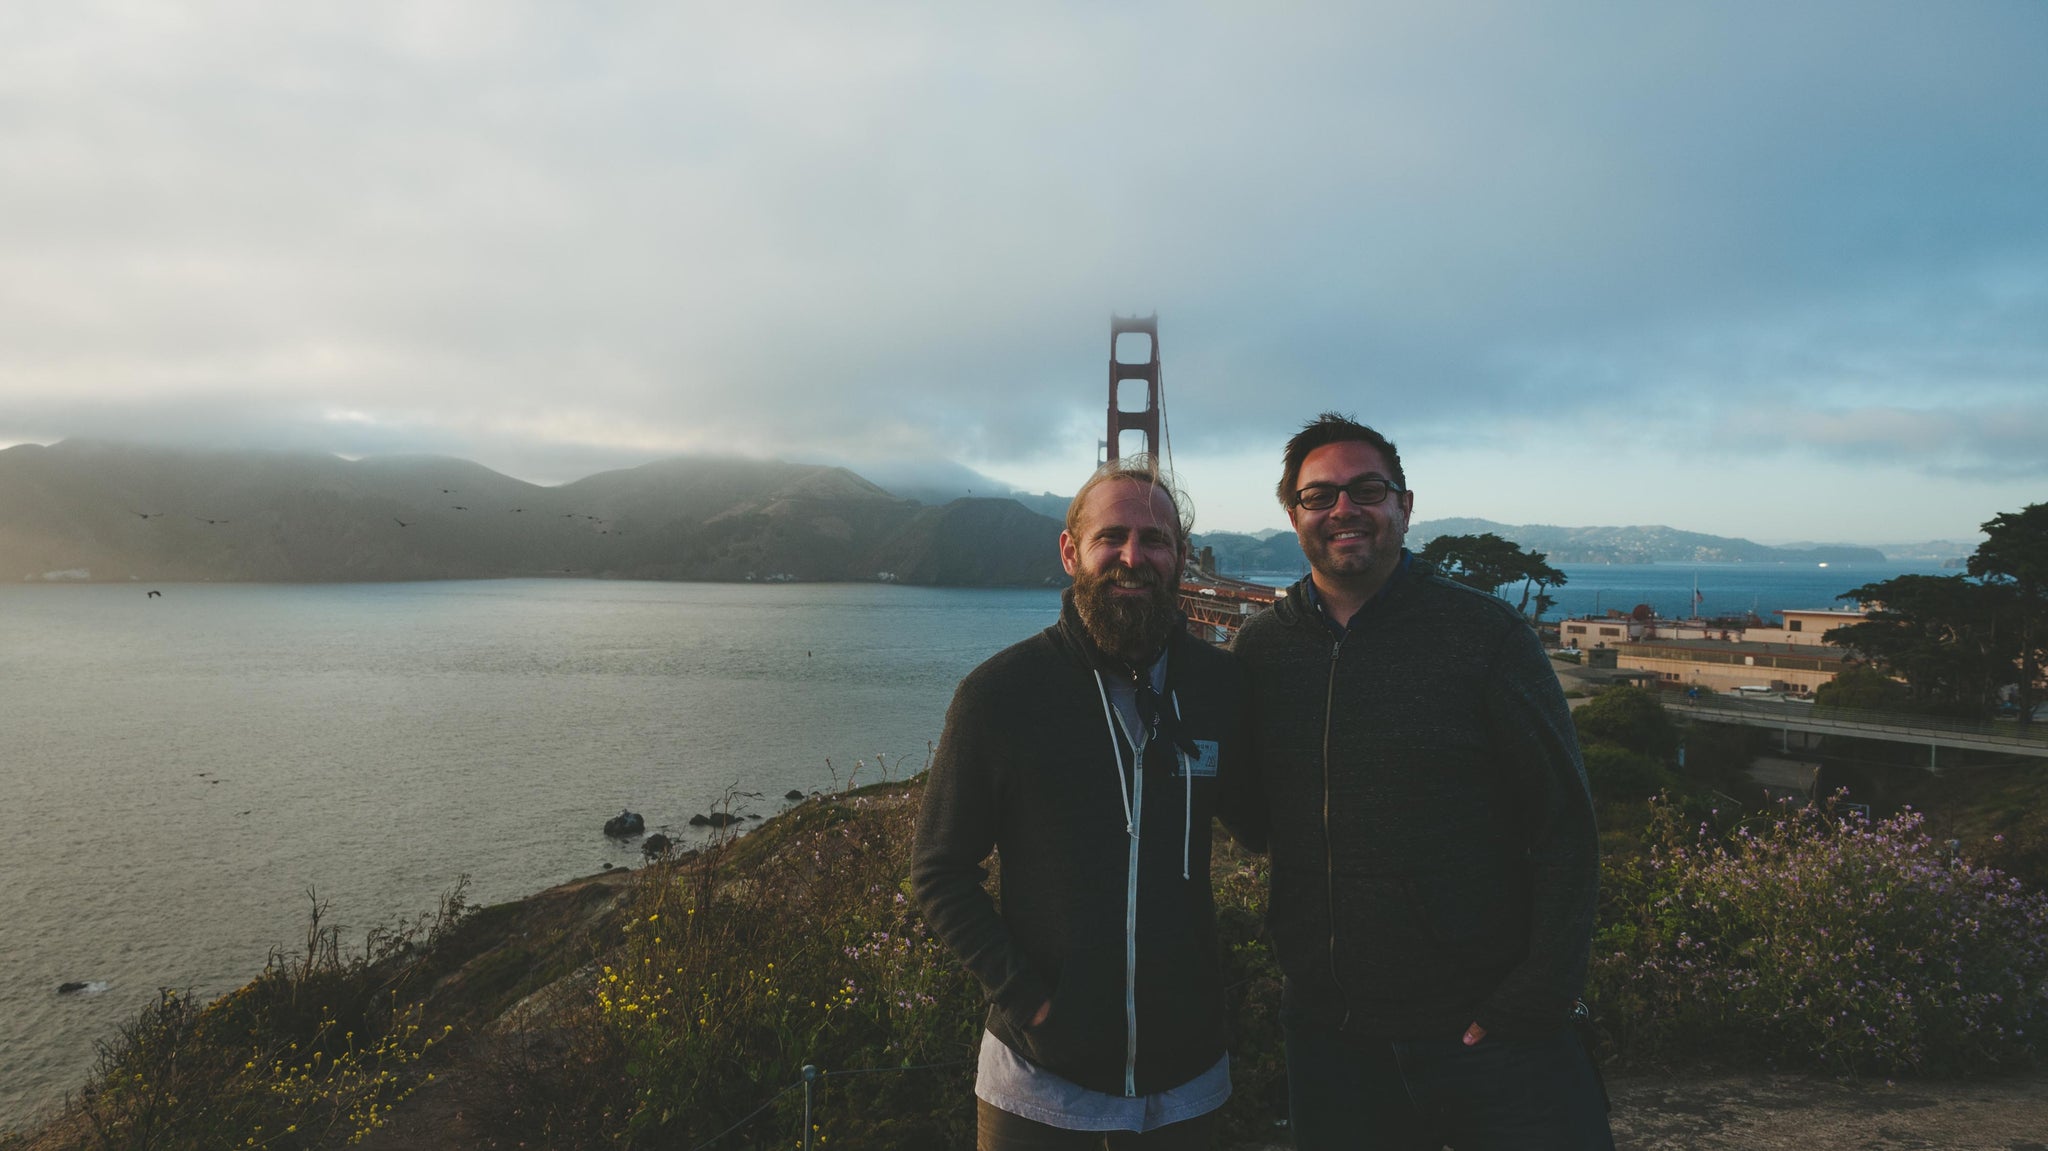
(1123, 786)
(1187, 775)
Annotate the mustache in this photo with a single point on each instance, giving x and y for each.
(1133, 575)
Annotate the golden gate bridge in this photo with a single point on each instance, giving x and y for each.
(1215, 604)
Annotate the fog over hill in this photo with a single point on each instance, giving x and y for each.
(104, 511)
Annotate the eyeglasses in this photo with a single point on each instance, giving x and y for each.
(1364, 493)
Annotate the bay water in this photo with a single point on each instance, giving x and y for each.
(178, 772)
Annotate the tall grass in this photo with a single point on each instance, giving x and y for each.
(317, 1050)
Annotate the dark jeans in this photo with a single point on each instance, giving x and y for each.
(999, 1130)
(1423, 1095)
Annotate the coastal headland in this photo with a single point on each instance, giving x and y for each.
(605, 1010)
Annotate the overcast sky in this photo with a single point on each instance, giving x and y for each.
(1775, 270)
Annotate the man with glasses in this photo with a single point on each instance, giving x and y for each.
(1432, 841)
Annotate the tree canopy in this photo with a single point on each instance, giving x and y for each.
(2014, 555)
(1489, 562)
(1948, 637)
(1958, 641)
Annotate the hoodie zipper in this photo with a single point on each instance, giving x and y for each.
(1134, 811)
(1131, 932)
(1329, 849)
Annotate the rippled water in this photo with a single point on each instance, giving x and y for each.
(177, 772)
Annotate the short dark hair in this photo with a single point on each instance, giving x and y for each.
(1141, 469)
(1332, 428)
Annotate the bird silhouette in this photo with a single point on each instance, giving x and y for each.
(153, 594)
(146, 515)
(204, 520)
(447, 491)
(401, 523)
(458, 507)
(518, 509)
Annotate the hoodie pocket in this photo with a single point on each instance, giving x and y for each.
(1083, 1035)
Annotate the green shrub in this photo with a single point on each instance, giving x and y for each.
(1618, 775)
(1629, 717)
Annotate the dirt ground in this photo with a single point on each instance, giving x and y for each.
(1720, 1112)
(1763, 1112)
(1759, 1112)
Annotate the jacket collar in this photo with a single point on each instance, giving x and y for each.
(1304, 604)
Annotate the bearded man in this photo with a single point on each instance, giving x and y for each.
(1088, 756)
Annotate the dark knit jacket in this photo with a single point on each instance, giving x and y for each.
(1025, 767)
(1434, 862)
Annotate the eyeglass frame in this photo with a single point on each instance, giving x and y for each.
(1347, 489)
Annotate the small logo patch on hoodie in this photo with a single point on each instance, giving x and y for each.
(1202, 766)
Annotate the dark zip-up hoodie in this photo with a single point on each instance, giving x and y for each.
(1026, 767)
(1432, 841)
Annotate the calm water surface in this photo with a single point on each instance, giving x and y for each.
(178, 772)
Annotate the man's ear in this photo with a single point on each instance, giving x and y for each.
(1070, 554)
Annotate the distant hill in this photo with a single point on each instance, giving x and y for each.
(1278, 552)
(119, 512)
(1238, 554)
(1639, 544)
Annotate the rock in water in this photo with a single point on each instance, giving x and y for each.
(792, 793)
(624, 824)
(656, 844)
(68, 988)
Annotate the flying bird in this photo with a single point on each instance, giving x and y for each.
(204, 520)
(146, 515)
(458, 507)
(447, 491)
(153, 594)
(401, 523)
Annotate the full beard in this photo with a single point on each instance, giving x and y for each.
(1131, 628)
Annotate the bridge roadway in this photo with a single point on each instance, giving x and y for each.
(1216, 606)
(1927, 731)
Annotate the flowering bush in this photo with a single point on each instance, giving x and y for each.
(799, 945)
(316, 1051)
(743, 965)
(1819, 938)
